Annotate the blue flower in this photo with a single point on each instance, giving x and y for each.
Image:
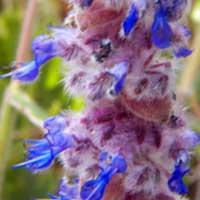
(175, 182)
(44, 48)
(94, 189)
(103, 156)
(182, 52)
(66, 192)
(173, 8)
(130, 20)
(118, 72)
(186, 31)
(28, 72)
(161, 32)
(43, 152)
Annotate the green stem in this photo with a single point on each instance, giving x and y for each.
(7, 119)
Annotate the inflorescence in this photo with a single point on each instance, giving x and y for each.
(131, 142)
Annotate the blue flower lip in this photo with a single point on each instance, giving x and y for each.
(161, 32)
(182, 52)
(130, 20)
(27, 73)
(119, 73)
(175, 182)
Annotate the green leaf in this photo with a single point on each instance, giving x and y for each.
(77, 104)
(53, 74)
(24, 104)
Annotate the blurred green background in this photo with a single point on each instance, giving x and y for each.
(30, 104)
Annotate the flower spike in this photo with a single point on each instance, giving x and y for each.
(117, 63)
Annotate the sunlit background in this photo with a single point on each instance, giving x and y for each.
(23, 107)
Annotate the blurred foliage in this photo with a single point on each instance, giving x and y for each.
(47, 91)
(21, 184)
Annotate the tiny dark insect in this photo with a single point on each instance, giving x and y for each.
(105, 49)
(173, 120)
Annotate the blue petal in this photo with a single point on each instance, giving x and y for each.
(103, 156)
(182, 52)
(44, 48)
(60, 140)
(27, 73)
(119, 163)
(130, 20)
(119, 72)
(94, 189)
(70, 191)
(55, 123)
(35, 142)
(175, 182)
(36, 162)
(66, 192)
(53, 197)
(186, 31)
(161, 32)
(38, 144)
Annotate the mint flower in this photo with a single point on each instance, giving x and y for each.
(43, 152)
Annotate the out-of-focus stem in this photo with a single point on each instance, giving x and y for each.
(7, 114)
(26, 30)
(195, 106)
(185, 86)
